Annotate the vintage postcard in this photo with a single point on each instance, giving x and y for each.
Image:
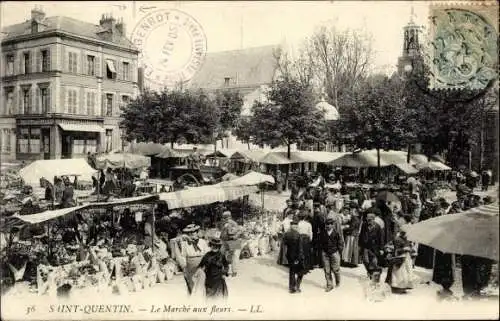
(195, 160)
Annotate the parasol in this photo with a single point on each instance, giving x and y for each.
(387, 197)
(474, 232)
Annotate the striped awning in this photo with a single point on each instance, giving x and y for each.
(204, 195)
(92, 128)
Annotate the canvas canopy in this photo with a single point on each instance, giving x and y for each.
(249, 155)
(434, 166)
(360, 160)
(126, 160)
(251, 178)
(146, 149)
(318, 157)
(407, 168)
(204, 195)
(49, 215)
(49, 168)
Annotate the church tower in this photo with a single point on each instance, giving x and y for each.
(411, 44)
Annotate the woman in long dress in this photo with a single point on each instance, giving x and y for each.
(215, 266)
(285, 226)
(350, 254)
(400, 273)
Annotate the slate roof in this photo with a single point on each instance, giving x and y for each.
(246, 67)
(69, 25)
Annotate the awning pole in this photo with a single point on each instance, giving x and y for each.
(153, 231)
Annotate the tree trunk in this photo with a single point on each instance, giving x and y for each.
(248, 145)
(378, 165)
(408, 155)
(481, 149)
(287, 168)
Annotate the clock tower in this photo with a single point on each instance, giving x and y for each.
(411, 45)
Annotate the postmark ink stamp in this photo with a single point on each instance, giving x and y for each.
(463, 49)
(173, 46)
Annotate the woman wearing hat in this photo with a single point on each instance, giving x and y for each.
(215, 266)
(192, 250)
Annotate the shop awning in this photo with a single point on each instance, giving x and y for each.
(204, 195)
(82, 128)
(111, 66)
(407, 168)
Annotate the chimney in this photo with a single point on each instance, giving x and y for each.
(120, 26)
(107, 22)
(37, 14)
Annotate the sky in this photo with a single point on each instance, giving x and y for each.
(235, 25)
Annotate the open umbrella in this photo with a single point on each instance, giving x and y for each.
(474, 232)
(387, 197)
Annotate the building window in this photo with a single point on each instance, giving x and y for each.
(109, 140)
(45, 60)
(9, 70)
(28, 141)
(5, 140)
(9, 100)
(27, 62)
(126, 71)
(71, 97)
(72, 62)
(34, 27)
(45, 98)
(109, 104)
(125, 102)
(90, 65)
(226, 81)
(91, 103)
(110, 69)
(27, 101)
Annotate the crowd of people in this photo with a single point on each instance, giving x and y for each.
(331, 225)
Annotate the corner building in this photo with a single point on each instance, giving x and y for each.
(63, 82)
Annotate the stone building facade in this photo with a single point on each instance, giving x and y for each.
(63, 82)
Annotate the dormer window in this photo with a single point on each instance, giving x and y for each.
(34, 27)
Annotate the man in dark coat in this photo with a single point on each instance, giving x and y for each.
(295, 257)
(372, 243)
(331, 247)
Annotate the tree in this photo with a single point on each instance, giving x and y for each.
(230, 103)
(288, 117)
(243, 130)
(341, 60)
(170, 116)
(377, 118)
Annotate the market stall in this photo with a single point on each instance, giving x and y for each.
(122, 160)
(32, 173)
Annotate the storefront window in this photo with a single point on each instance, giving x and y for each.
(35, 140)
(109, 140)
(84, 143)
(29, 141)
(23, 140)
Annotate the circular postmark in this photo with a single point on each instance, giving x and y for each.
(464, 50)
(172, 46)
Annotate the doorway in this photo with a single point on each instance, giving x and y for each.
(67, 146)
(46, 143)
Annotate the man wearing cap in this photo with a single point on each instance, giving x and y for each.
(195, 159)
(229, 235)
(331, 247)
(372, 243)
(294, 256)
(192, 249)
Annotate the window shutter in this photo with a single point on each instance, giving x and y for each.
(38, 61)
(119, 68)
(103, 105)
(37, 107)
(16, 104)
(49, 57)
(21, 63)
(66, 59)
(32, 61)
(97, 66)
(80, 94)
(64, 99)
(116, 104)
(49, 100)
(84, 103)
(85, 65)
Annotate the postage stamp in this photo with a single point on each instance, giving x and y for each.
(173, 46)
(463, 45)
